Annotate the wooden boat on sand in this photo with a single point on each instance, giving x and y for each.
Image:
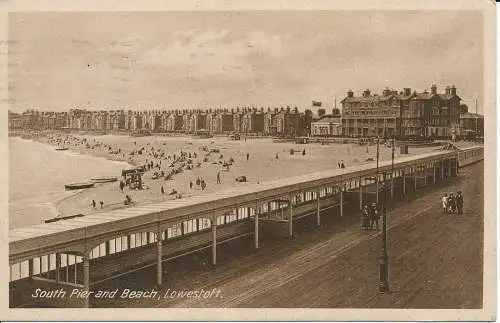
(59, 218)
(104, 179)
(79, 186)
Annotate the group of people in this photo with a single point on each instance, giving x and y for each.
(453, 204)
(369, 217)
(94, 204)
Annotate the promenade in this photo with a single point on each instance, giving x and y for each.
(435, 261)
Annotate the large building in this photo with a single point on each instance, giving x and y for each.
(328, 125)
(405, 113)
(432, 114)
(371, 115)
(471, 124)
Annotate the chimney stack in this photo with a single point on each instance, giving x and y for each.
(453, 90)
(433, 89)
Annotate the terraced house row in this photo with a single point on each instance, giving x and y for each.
(277, 121)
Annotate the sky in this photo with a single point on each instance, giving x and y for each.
(169, 60)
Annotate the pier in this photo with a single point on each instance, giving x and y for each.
(89, 250)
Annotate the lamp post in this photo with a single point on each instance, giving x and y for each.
(393, 146)
(383, 287)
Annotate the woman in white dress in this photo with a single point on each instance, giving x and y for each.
(444, 200)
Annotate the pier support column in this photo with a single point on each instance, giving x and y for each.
(425, 172)
(434, 172)
(392, 185)
(341, 202)
(30, 268)
(290, 217)
(404, 183)
(129, 242)
(58, 267)
(159, 259)
(442, 169)
(415, 178)
(256, 225)
(360, 194)
(86, 278)
(318, 216)
(107, 247)
(214, 243)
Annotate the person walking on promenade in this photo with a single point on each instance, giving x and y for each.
(248, 156)
(375, 216)
(218, 178)
(162, 190)
(342, 164)
(460, 203)
(102, 204)
(444, 201)
(93, 204)
(365, 218)
(191, 185)
(451, 203)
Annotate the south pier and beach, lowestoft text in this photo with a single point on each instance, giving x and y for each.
(79, 293)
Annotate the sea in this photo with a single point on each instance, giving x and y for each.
(38, 173)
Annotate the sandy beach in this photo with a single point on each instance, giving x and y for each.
(266, 161)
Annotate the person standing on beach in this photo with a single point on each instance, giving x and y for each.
(93, 204)
(191, 185)
(248, 156)
(342, 164)
(218, 178)
(162, 190)
(460, 203)
(102, 204)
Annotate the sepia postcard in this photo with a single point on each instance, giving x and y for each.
(259, 160)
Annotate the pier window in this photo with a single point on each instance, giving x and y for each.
(36, 266)
(138, 239)
(189, 226)
(124, 243)
(112, 245)
(44, 264)
(174, 231)
(204, 223)
(221, 219)
(14, 272)
(132, 241)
